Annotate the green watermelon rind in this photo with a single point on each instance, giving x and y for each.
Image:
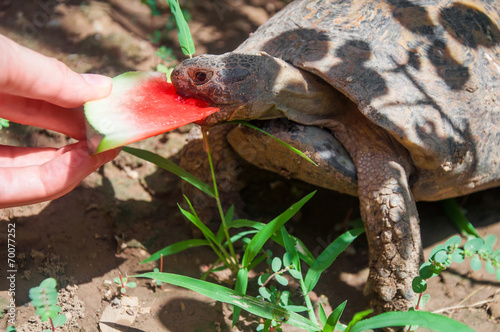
(106, 128)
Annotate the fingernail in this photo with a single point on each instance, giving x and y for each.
(100, 81)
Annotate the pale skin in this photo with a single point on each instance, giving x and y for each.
(41, 91)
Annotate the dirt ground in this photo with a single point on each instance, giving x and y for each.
(128, 209)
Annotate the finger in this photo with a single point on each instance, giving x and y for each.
(16, 156)
(29, 74)
(39, 113)
(34, 184)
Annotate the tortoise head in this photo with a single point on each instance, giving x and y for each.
(240, 85)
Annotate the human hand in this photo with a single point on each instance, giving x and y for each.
(41, 91)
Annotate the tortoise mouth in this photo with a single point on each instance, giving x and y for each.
(226, 113)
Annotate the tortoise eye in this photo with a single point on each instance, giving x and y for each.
(201, 76)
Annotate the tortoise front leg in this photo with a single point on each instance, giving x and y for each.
(388, 211)
(392, 226)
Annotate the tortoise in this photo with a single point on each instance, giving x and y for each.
(397, 100)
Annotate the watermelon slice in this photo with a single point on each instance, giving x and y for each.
(141, 105)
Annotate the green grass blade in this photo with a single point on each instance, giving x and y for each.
(334, 317)
(254, 306)
(152, 6)
(240, 287)
(357, 317)
(171, 167)
(238, 236)
(290, 248)
(295, 308)
(456, 214)
(267, 325)
(183, 32)
(256, 261)
(286, 145)
(227, 218)
(239, 223)
(322, 315)
(328, 256)
(209, 235)
(301, 248)
(175, 248)
(197, 222)
(213, 270)
(267, 231)
(429, 320)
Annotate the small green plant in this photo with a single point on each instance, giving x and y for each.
(165, 53)
(179, 19)
(158, 283)
(123, 283)
(442, 256)
(4, 123)
(291, 264)
(44, 299)
(457, 215)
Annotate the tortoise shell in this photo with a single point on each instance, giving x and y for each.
(428, 73)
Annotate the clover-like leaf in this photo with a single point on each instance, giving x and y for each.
(436, 249)
(474, 244)
(287, 259)
(59, 320)
(428, 270)
(282, 280)
(276, 264)
(490, 239)
(424, 300)
(419, 285)
(49, 283)
(265, 293)
(285, 297)
(475, 263)
(441, 257)
(262, 279)
(295, 273)
(489, 267)
(458, 256)
(453, 241)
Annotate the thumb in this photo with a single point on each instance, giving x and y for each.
(32, 75)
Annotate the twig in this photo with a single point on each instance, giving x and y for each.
(470, 295)
(457, 307)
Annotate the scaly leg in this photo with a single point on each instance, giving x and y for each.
(389, 213)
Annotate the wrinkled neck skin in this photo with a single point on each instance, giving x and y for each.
(288, 92)
(270, 88)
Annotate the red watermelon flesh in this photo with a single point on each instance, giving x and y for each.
(141, 105)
